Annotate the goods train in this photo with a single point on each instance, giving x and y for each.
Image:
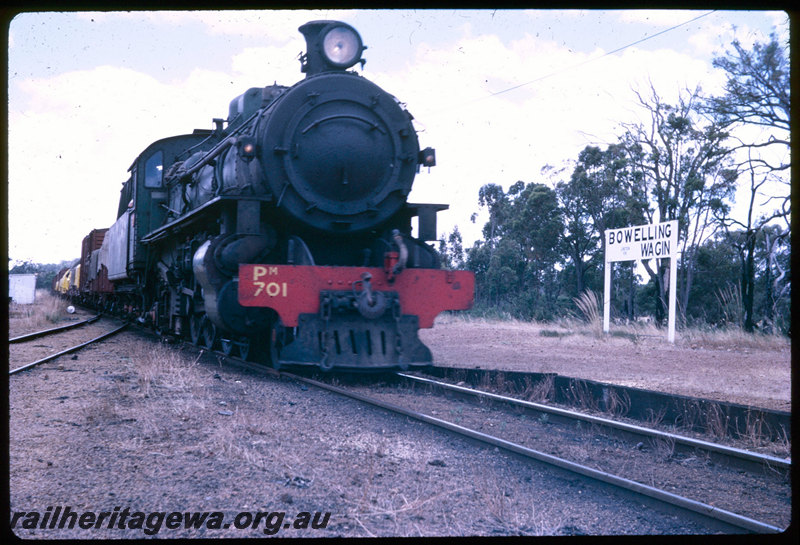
(283, 234)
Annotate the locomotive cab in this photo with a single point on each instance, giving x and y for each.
(143, 206)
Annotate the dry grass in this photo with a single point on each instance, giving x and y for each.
(46, 311)
(168, 382)
(730, 300)
(403, 506)
(590, 308)
(580, 395)
(664, 448)
(731, 338)
(588, 332)
(513, 518)
(711, 420)
(228, 442)
(655, 419)
(759, 435)
(161, 370)
(716, 422)
(496, 382)
(539, 392)
(616, 404)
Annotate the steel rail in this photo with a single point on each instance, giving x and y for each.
(754, 457)
(703, 509)
(45, 332)
(68, 350)
(775, 424)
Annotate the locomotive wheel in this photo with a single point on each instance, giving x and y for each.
(273, 348)
(209, 337)
(195, 325)
(244, 348)
(227, 346)
(160, 327)
(256, 349)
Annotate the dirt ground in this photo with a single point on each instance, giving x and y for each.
(724, 367)
(131, 424)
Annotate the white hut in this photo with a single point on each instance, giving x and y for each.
(22, 288)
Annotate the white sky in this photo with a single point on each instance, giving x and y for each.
(88, 91)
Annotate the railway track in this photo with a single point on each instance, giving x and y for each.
(64, 352)
(46, 332)
(716, 518)
(733, 456)
(710, 515)
(694, 414)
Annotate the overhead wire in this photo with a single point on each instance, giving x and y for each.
(574, 66)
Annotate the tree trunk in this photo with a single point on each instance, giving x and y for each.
(578, 271)
(659, 295)
(687, 274)
(748, 281)
(769, 296)
(631, 298)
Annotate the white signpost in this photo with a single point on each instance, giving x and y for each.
(657, 240)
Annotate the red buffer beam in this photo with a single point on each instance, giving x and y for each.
(292, 290)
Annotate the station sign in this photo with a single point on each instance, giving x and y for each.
(658, 240)
(642, 242)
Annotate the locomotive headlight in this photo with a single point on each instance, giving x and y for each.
(342, 46)
(247, 147)
(427, 157)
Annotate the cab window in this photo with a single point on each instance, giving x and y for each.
(154, 170)
(125, 197)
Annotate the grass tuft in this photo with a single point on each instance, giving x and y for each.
(733, 338)
(588, 305)
(730, 300)
(46, 310)
(551, 333)
(161, 370)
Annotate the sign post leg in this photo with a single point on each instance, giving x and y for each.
(607, 296)
(673, 282)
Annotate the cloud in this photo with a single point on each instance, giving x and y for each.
(271, 25)
(568, 100)
(87, 126)
(716, 37)
(267, 65)
(658, 17)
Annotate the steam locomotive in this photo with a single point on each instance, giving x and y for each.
(283, 234)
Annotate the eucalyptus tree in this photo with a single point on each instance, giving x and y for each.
(515, 264)
(451, 250)
(755, 108)
(601, 194)
(682, 166)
